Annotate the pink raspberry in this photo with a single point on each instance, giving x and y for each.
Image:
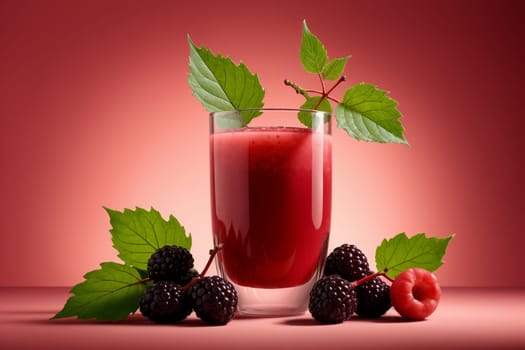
(415, 293)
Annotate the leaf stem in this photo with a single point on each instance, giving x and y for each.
(324, 94)
(327, 93)
(320, 93)
(142, 281)
(315, 91)
(322, 84)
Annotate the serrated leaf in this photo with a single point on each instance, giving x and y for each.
(221, 85)
(110, 293)
(313, 54)
(368, 114)
(310, 104)
(401, 253)
(335, 68)
(136, 234)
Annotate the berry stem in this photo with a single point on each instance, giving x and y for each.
(388, 277)
(213, 252)
(368, 278)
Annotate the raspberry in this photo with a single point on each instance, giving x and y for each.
(332, 300)
(214, 300)
(347, 261)
(165, 302)
(169, 263)
(373, 298)
(415, 293)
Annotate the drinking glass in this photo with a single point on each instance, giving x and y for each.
(271, 193)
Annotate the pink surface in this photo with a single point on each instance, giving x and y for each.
(467, 318)
(95, 111)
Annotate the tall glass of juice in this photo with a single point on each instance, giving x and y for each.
(271, 192)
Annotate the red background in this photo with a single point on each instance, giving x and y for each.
(96, 111)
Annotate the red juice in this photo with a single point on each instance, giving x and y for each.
(271, 204)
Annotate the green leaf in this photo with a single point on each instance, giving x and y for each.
(110, 293)
(313, 54)
(335, 68)
(310, 104)
(401, 253)
(220, 85)
(368, 114)
(136, 234)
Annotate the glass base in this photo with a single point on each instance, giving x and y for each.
(275, 301)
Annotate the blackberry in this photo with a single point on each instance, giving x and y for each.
(347, 261)
(214, 300)
(332, 300)
(373, 298)
(169, 263)
(165, 302)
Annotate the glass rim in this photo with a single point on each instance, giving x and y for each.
(270, 109)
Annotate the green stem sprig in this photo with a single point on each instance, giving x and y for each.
(364, 112)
